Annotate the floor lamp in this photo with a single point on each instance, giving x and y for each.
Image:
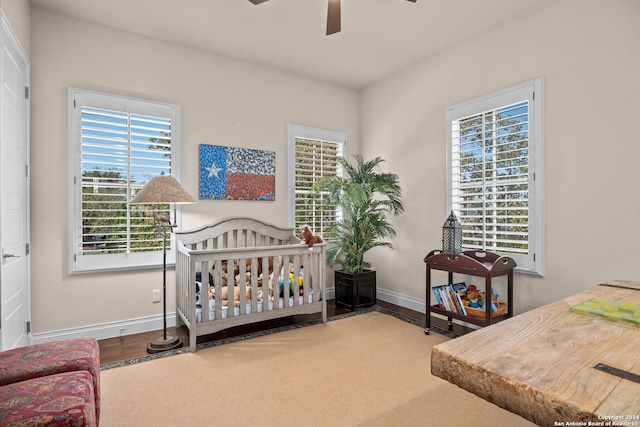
(163, 189)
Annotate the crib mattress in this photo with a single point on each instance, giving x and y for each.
(236, 310)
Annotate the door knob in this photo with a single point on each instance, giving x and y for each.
(10, 256)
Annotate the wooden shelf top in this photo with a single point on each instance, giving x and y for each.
(473, 261)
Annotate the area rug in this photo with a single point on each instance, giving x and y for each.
(369, 369)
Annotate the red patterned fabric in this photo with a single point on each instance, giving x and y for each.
(39, 360)
(59, 400)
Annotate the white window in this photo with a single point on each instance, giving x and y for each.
(311, 155)
(116, 145)
(495, 173)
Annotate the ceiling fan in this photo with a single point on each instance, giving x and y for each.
(333, 15)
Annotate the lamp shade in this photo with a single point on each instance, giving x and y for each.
(160, 190)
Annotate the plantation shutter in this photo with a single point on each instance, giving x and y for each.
(495, 173)
(118, 145)
(490, 178)
(314, 159)
(120, 152)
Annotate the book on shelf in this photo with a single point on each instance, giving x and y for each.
(449, 297)
(460, 288)
(438, 300)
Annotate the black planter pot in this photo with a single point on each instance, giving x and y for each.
(355, 290)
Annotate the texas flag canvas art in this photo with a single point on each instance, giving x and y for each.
(234, 173)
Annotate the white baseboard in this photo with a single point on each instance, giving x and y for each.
(155, 323)
(411, 303)
(107, 330)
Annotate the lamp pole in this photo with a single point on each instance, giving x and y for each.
(167, 342)
(164, 278)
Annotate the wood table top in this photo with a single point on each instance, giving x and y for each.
(541, 364)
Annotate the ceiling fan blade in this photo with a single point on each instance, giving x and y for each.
(262, 1)
(333, 17)
(413, 1)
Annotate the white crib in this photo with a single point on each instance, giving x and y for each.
(243, 248)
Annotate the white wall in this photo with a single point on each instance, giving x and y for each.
(18, 15)
(588, 52)
(223, 101)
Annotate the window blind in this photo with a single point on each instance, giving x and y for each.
(313, 160)
(490, 178)
(120, 152)
(116, 144)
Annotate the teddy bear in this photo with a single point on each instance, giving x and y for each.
(309, 238)
(473, 297)
(247, 278)
(225, 294)
(236, 295)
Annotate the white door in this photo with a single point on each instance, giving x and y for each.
(14, 192)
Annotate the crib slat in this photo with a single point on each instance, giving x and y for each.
(287, 286)
(191, 305)
(296, 279)
(283, 282)
(315, 283)
(307, 274)
(242, 284)
(254, 285)
(217, 281)
(231, 283)
(266, 272)
(277, 267)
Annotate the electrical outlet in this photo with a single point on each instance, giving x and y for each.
(156, 295)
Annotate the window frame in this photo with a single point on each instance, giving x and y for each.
(534, 261)
(294, 131)
(78, 263)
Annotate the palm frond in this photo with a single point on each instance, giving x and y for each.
(366, 198)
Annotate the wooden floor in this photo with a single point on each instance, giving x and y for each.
(132, 346)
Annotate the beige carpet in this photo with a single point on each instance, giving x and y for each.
(365, 370)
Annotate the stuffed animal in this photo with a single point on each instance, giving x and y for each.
(300, 282)
(259, 263)
(474, 298)
(247, 278)
(291, 280)
(494, 299)
(309, 238)
(225, 294)
(260, 280)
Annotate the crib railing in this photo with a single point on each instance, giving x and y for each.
(295, 262)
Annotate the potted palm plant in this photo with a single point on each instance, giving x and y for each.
(365, 198)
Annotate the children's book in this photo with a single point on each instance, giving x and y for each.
(458, 291)
(449, 297)
(459, 288)
(436, 297)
